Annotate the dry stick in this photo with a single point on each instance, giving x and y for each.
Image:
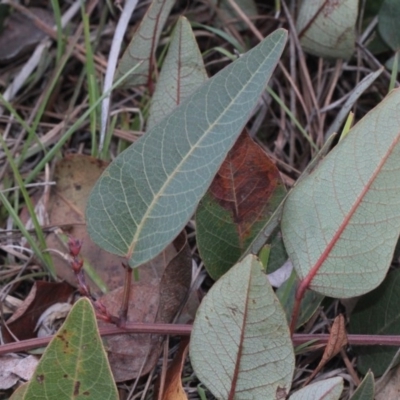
(260, 37)
(163, 369)
(335, 78)
(123, 313)
(374, 61)
(303, 65)
(350, 367)
(246, 20)
(227, 24)
(358, 52)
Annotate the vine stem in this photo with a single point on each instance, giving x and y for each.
(185, 330)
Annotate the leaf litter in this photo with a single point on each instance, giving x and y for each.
(278, 132)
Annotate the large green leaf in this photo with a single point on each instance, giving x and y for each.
(146, 196)
(144, 43)
(340, 225)
(74, 365)
(182, 73)
(326, 28)
(240, 346)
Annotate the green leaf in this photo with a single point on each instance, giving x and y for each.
(182, 73)
(278, 255)
(20, 392)
(242, 197)
(377, 313)
(327, 29)
(240, 346)
(329, 389)
(366, 390)
(74, 365)
(144, 43)
(340, 224)
(146, 196)
(286, 294)
(388, 23)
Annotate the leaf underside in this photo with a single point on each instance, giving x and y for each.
(341, 224)
(147, 195)
(74, 365)
(240, 346)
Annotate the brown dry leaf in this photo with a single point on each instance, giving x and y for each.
(337, 339)
(173, 383)
(75, 177)
(136, 354)
(21, 34)
(42, 295)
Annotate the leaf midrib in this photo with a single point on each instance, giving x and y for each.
(347, 219)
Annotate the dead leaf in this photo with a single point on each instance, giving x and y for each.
(21, 34)
(136, 354)
(173, 389)
(52, 318)
(75, 177)
(14, 368)
(337, 339)
(42, 295)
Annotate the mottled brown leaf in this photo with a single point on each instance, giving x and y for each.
(136, 354)
(75, 176)
(240, 200)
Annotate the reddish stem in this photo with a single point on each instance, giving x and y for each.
(303, 286)
(185, 330)
(123, 313)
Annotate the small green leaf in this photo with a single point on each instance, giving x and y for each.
(286, 294)
(377, 313)
(240, 346)
(182, 73)
(74, 365)
(147, 195)
(329, 389)
(340, 225)
(388, 23)
(327, 29)
(144, 43)
(366, 390)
